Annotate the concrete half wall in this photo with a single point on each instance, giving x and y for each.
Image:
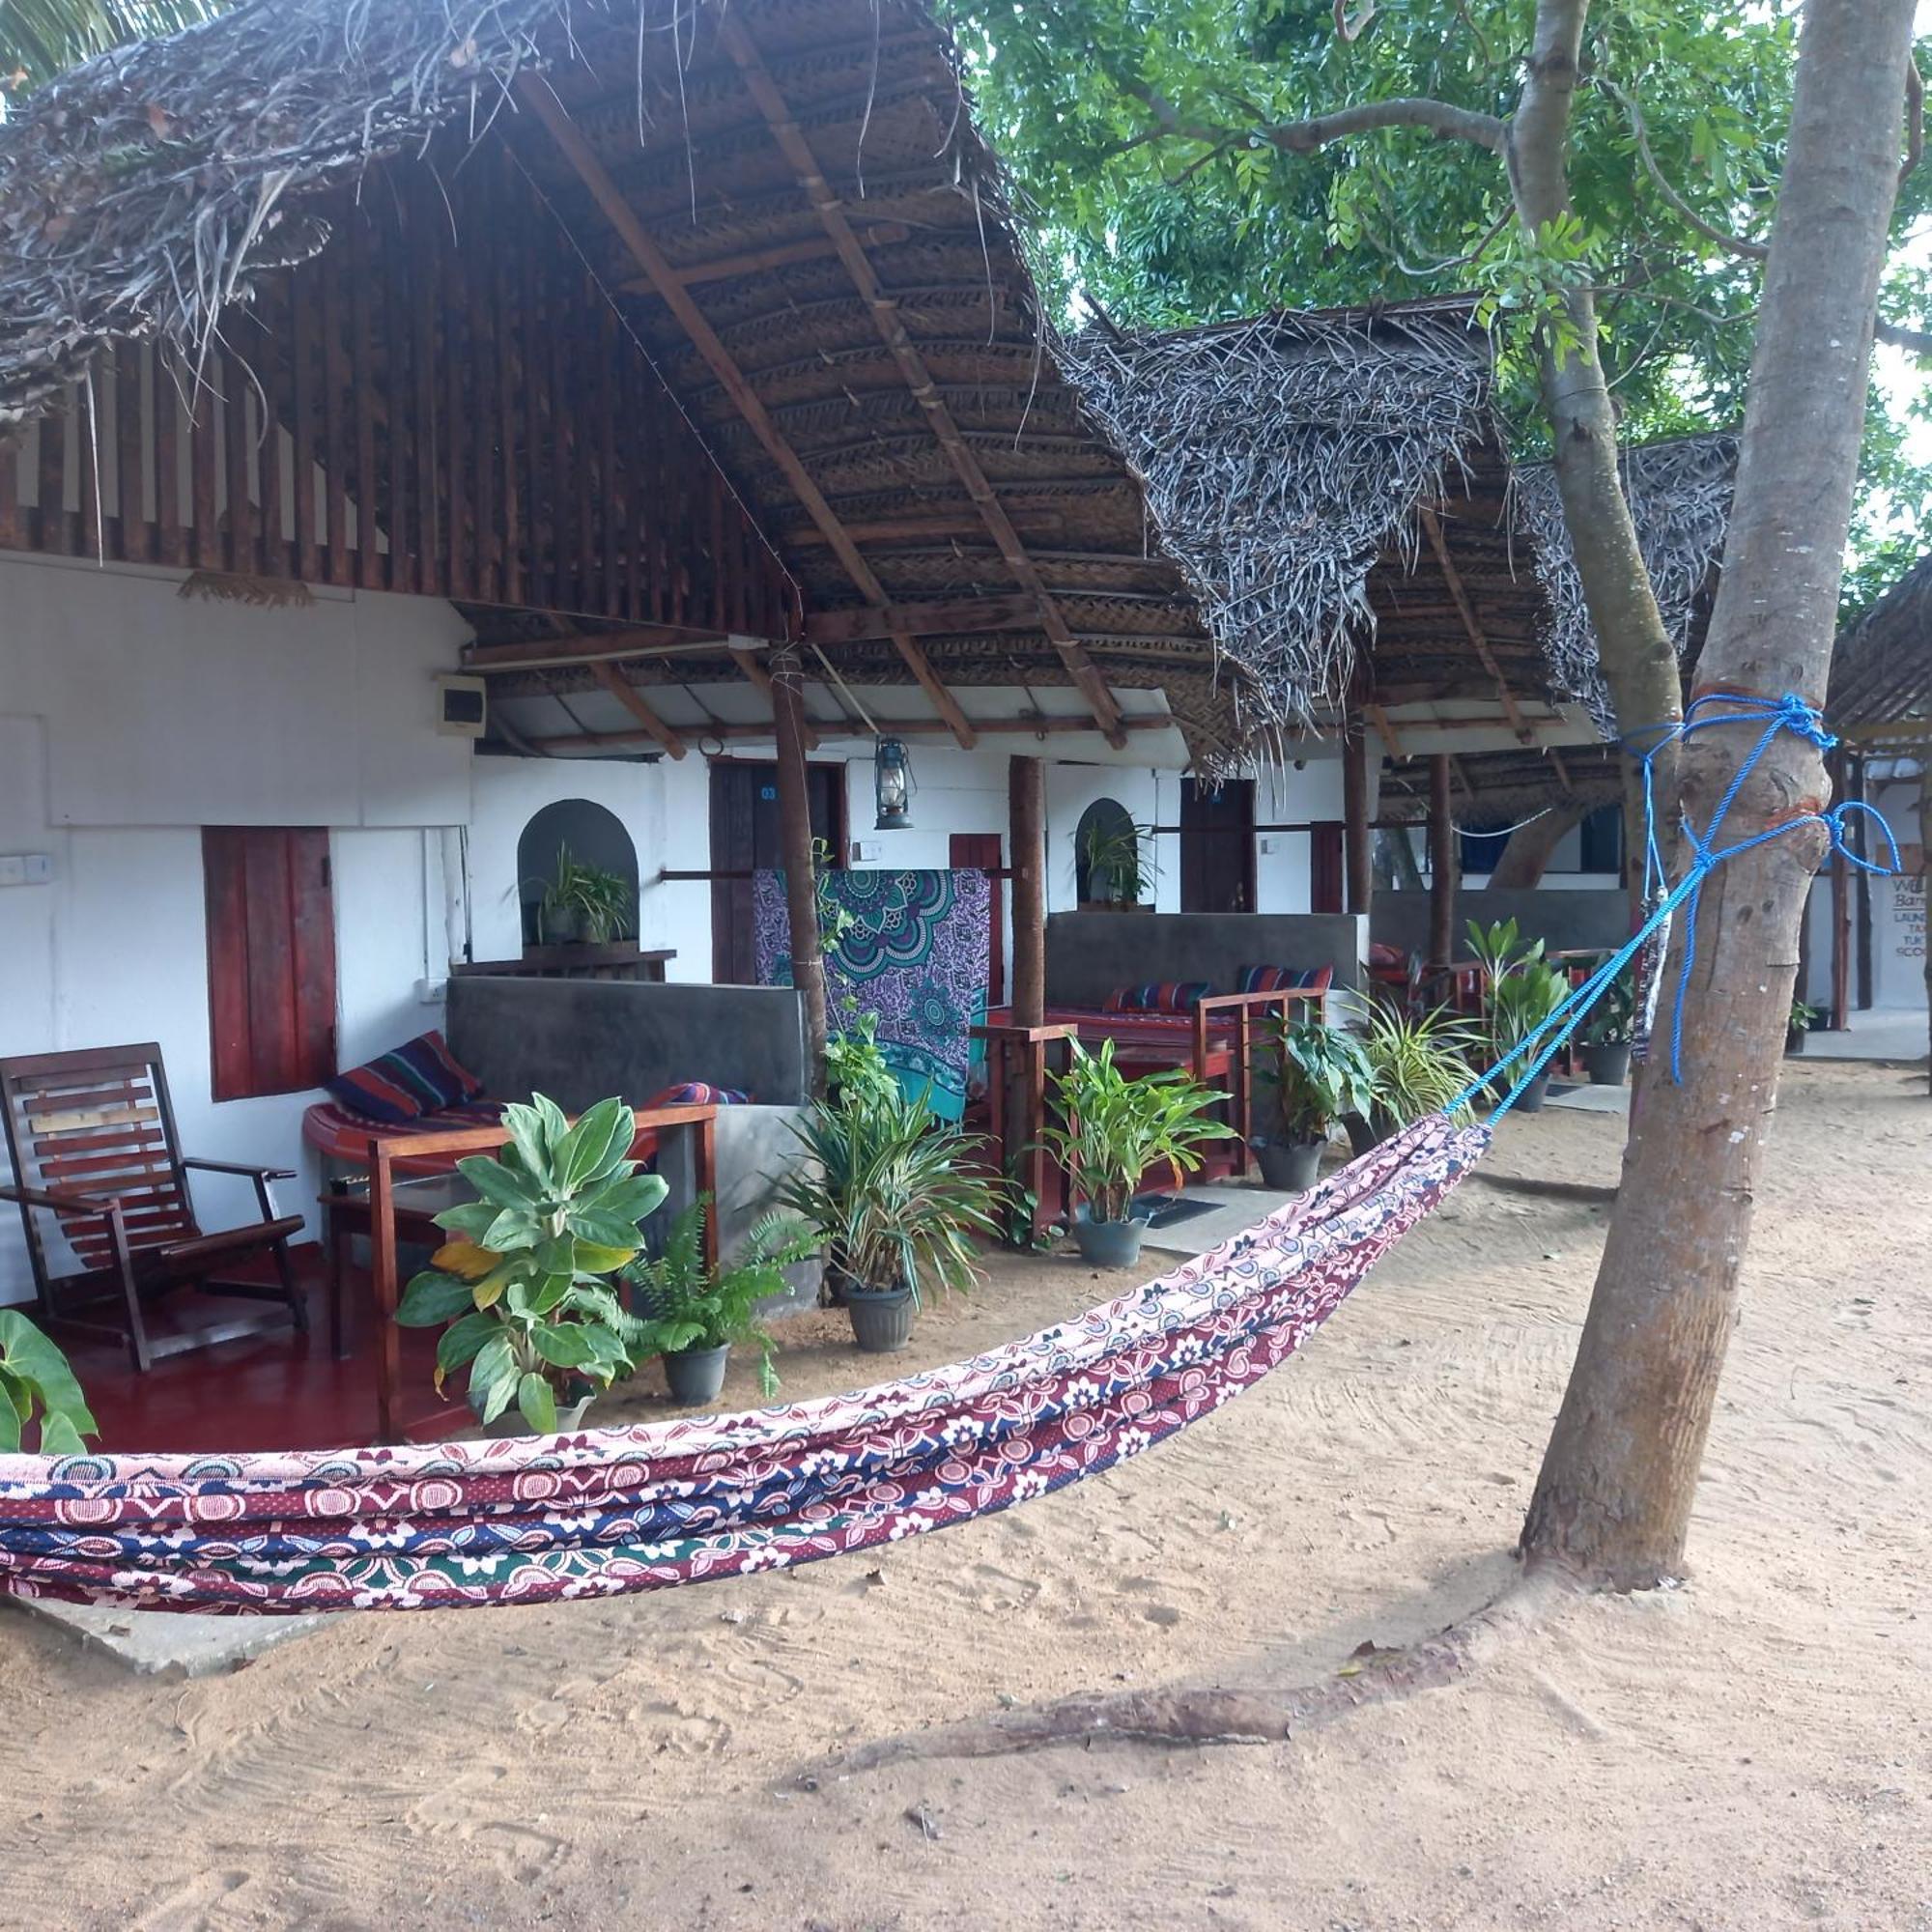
(1561, 920)
(1090, 954)
(578, 1040)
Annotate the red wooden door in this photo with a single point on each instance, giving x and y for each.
(271, 959)
(981, 849)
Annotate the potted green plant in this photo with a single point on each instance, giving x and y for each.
(1801, 1022)
(1418, 1063)
(36, 1381)
(889, 1189)
(1113, 1131)
(1118, 866)
(528, 1283)
(582, 904)
(1321, 1074)
(1606, 1045)
(1520, 1003)
(692, 1314)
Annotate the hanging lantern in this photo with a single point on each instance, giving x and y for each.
(891, 786)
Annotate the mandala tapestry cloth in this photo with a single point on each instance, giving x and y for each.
(913, 952)
(600, 1512)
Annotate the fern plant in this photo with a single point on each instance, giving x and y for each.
(682, 1304)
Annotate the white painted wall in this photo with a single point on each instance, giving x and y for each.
(1284, 864)
(131, 719)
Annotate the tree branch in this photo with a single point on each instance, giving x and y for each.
(1736, 244)
(1433, 117)
(1918, 340)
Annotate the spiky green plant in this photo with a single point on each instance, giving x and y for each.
(1420, 1061)
(889, 1188)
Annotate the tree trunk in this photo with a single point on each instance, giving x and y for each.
(1026, 833)
(1613, 1499)
(1533, 844)
(1638, 660)
(808, 968)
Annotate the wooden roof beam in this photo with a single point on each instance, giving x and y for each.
(651, 640)
(797, 151)
(898, 727)
(920, 620)
(755, 261)
(632, 699)
(1432, 528)
(537, 94)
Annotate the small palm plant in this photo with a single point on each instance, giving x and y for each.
(1113, 1131)
(892, 1193)
(527, 1282)
(687, 1310)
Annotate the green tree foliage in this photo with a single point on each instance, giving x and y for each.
(40, 38)
(1160, 141)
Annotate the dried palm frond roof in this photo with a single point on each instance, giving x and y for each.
(1680, 497)
(1289, 458)
(1882, 668)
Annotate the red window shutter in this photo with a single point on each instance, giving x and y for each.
(271, 959)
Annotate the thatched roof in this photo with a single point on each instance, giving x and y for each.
(149, 192)
(1882, 668)
(1289, 460)
(1680, 498)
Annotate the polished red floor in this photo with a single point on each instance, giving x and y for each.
(273, 1391)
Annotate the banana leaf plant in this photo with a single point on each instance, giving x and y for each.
(527, 1281)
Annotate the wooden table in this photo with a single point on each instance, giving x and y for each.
(393, 1204)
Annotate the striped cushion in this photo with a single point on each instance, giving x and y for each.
(1284, 979)
(697, 1093)
(1165, 996)
(421, 1077)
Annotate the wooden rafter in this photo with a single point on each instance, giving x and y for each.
(892, 330)
(651, 640)
(1562, 771)
(1431, 527)
(542, 100)
(1039, 726)
(920, 620)
(755, 261)
(1385, 730)
(632, 699)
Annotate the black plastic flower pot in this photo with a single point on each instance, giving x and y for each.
(881, 1317)
(697, 1375)
(569, 1418)
(1531, 1100)
(1794, 1040)
(1607, 1063)
(1291, 1167)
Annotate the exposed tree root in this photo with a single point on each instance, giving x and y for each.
(1259, 1714)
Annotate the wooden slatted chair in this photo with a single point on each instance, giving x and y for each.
(92, 1139)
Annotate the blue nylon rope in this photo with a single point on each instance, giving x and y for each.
(1789, 713)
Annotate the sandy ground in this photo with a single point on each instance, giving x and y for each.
(1753, 1750)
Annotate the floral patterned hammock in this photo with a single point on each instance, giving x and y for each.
(608, 1511)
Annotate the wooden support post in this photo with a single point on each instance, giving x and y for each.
(808, 968)
(1357, 841)
(1442, 866)
(1026, 804)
